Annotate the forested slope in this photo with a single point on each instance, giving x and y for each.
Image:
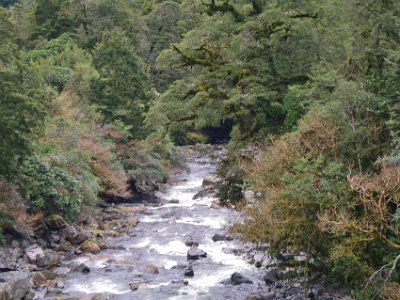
(95, 94)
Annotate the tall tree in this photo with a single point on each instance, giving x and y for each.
(122, 90)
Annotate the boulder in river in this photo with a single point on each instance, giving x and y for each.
(82, 268)
(15, 285)
(189, 272)
(238, 278)
(196, 253)
(221, 237)
(90, 247)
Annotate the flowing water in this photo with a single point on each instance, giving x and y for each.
(159, 240)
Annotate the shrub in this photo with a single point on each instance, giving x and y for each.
(49, 188)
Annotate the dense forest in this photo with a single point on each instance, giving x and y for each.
(95, 96)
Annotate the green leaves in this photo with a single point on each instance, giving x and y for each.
(122, 89)
(51, 190)
(21, 118)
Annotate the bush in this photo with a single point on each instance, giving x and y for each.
(50, 189)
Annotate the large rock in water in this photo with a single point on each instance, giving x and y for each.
(221, 237)
(238, 278)
(196, 253)
(15, 285)
(189, 272)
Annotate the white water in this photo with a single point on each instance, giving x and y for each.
(160, 241)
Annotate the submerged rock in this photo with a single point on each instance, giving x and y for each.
(195, 253)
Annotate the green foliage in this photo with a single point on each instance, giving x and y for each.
(5, 221)
(22, 118)
(145, 170)
(51, 190)
(121, 91)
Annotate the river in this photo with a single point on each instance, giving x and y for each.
(152, 259)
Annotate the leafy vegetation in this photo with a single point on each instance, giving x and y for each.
(95, 95)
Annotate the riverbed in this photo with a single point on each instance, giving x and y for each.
(151, 261)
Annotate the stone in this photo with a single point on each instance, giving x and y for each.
(69, 232)
(38, 278)
(313, 293)
(151, 269)
(135, 285)
(221, 237)
(173, 201)
(215, 205)
(101, 226)
(195, 253)
(189, 272)
(99, 297)
(184, 282)
(25, 244)
(211, 180)
(34, 252)
(238, 278)
(268, 296)
(82, 268)
(78, 239)
(55, 222)
(191, 244)
(15, 285)
(49, 260)
(273, 276)
(90, 247)
(40, 292)
(55, 238)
